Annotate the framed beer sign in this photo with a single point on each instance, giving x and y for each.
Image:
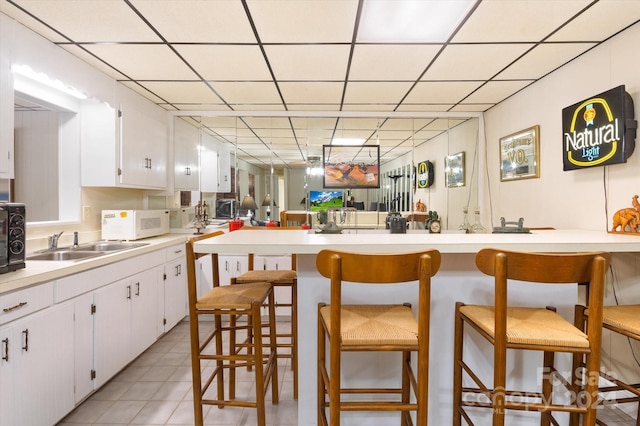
(520, 155)
(598, 131)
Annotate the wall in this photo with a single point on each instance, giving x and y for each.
(575, 199)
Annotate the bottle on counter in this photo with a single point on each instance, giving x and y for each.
(477, 227)
(465, 226)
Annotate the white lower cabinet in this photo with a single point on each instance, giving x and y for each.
(232, 266)
(125, 322)
(282, 294)
(36, 367)
(174, 291)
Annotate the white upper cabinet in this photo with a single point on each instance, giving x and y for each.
(186, 146)
(126, 147)
(6, 98)
(224, 168)
(208, 164)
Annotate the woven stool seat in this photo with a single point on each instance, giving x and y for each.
(375, 325)
(624, 317)
(272, 276)
(228, 297)
(529, 326)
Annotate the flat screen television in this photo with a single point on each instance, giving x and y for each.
(324, 200)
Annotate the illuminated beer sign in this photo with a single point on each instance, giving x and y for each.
(599, 131)
(425, 174)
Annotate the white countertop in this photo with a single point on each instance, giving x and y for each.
(39, 271)
(308, 242)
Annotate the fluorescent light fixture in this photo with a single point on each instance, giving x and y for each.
(315, 171)
(347, 141)
(26, 71)
(411, 20)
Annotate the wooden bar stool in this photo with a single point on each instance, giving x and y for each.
(232, 303)
(624, 320)
(294, 219)
(287, 343)
(370, 327)
(540, 329)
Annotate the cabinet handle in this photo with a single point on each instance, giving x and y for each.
(178, 270)
(238, 266)
(128, 292)
(187, 171)
(177, 251)
(150, 166)
(226, 265)
(137, 289)
(25, 334)
(5, 343)
(13, 308)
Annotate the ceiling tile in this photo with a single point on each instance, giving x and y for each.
(285, 21)
(430, 92)
(496, 91)
(542, 60)
(226, 62)
(95, 20)
(93, 61)
(311, 92)
(248, 92)
(474, 61)
(390, 61)
(600, 21)
(374, 92)
(31, 23)
(308, 62)
(517, 20)
(198, 20)
(182, 92)
(143, 62)
(144, 92)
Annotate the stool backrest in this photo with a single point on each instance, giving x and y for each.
(192, 256)
(296, 218)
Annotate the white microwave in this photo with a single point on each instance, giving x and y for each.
(134, 224)
(181, 217)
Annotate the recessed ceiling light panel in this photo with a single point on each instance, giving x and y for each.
(411, 20)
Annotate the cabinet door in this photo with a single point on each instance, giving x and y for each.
(186, 156)
(144, 288)
(39, 371)
(232, 266)
(83, 346)
(112, 329)
(209, 165)
(175, 293)
(224, 168)
(6, 97)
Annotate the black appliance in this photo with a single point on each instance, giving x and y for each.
(16, 235)
(226, 208)
(12, 236)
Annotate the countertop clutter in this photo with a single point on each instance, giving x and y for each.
(40, 271)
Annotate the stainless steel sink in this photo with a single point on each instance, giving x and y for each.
(65, 255)
(107, 246)
(85, 251)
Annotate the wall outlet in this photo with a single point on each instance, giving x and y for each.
(86, 213)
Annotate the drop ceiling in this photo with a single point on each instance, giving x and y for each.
(283, 77)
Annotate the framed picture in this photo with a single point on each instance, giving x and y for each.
(520, 155)
(454, 170)
(347, 166)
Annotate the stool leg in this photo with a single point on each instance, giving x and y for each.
(321, 391)
(294, 336)
(273, 345)
(457, 368)
(406, 386)
(232, 352)
(256, 325)
(547, 386)
(579, 321)
(195, 370)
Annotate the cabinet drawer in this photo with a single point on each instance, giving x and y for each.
(175, 252)
(23, 302)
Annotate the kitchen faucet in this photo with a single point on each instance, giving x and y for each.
(53, 240)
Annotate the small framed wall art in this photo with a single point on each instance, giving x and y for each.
(520, 155)
(454, 170)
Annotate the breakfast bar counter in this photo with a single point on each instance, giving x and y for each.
(457, 280)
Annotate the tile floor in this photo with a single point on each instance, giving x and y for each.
(155, 389)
